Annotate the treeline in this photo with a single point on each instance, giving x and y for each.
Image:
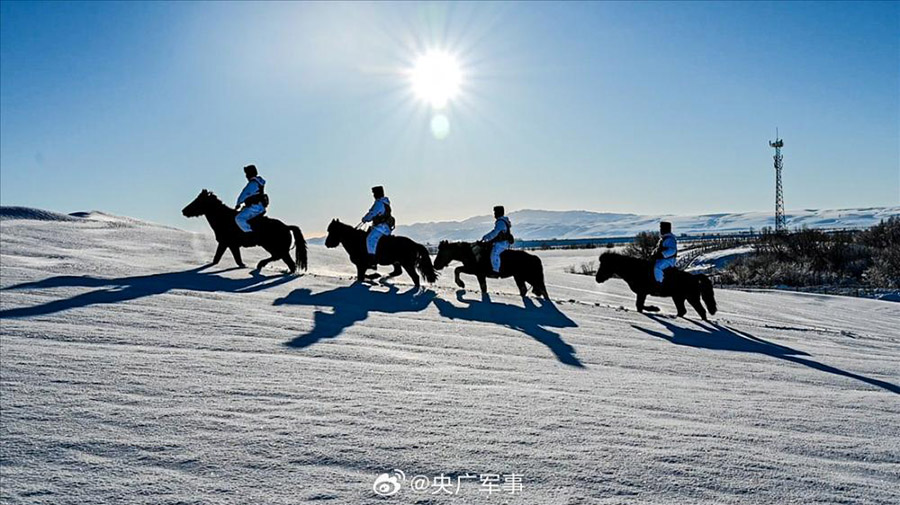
(807, 257)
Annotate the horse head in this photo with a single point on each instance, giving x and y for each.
(444, 255)
(605, 268)
(200, 205)
(334, 234)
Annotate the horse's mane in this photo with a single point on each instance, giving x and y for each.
(215, 198)
(345, 227)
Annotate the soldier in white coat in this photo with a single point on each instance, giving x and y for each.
(253, 199)
(500, 237)
(666, 251)
(382, 221)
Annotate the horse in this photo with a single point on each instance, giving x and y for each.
(271, 234)
(679, 285)
(520, 265)
(401, 252)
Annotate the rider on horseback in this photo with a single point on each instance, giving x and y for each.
(666, 251)
(382, 221)
(500, 238)
(253, 198)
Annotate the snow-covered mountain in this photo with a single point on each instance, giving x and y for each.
(547, 224)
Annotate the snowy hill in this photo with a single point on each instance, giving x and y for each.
(131, 372)
(545, 224)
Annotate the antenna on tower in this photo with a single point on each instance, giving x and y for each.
(780, 221)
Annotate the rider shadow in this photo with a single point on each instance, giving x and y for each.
(350, 305)
(532, 320)
(131, 288)
(723, 338)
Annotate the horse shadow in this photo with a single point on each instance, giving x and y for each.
(722, 338)
(115, 290)
(532, 320)
(350, 305)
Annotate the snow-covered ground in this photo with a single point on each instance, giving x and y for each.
(545, 224)
(129, 373)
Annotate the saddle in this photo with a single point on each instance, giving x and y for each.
(661, 289)
(257, 225)
(482, 252)
(257, 222)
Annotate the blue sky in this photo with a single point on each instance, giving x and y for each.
(132, 108)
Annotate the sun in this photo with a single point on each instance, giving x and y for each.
(436, 77)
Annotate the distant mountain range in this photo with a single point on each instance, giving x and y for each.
(571, 224)
(548, 224)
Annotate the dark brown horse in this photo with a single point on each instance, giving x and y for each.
(521, 266)
(270, 234)
(401, 252)
(638, 274)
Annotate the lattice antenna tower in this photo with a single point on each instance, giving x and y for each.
(780, 221)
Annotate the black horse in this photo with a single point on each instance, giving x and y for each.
(398, 251)
(520, 265)
(270, 234)
(638, 274)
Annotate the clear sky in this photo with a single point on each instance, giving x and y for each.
(132, 108)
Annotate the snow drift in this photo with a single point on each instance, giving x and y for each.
(130, 372)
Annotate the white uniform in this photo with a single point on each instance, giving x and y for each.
(254, 186)
(502, 225)
(377, 231)
(669, 249)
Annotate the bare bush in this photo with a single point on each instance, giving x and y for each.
(643, 245)
(585, 268)
(814, 258)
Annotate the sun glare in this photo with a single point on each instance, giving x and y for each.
(436, 77)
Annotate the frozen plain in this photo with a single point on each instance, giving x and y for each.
(130, 373)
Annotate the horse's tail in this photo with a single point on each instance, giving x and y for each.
(540, 289)
(424, 265)
(300, 244)
(706, 292)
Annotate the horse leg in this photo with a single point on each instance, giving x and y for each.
(679, 304)
(361, 272)
(398, 269)
(292, 267)
(219, 252)
(523, 289)
(482, 283)
(236, 252)
(263, 263)
(639, 303)
(459, 282)
(694, 300)
(411, 270)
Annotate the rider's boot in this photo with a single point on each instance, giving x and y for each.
(372, 262)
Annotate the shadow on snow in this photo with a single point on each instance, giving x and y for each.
(350, 305)
(532, 320)
(722, 338)
(130, 288)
